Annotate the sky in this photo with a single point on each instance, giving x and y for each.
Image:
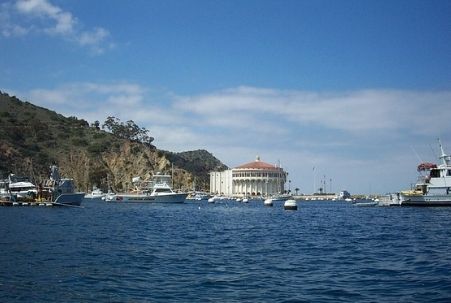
(350, 94)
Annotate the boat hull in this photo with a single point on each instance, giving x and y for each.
(366, 204)
(74, 199)
(280, 198)
(130, 198)
(426, 200)
(90, 197)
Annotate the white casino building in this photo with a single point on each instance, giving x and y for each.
(250, 179)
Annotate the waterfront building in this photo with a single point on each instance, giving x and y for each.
(255, 178)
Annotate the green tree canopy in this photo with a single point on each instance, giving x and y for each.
(128, 130)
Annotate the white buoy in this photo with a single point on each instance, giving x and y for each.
(268, 202)
(290, 205)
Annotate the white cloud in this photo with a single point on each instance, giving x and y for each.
(354, 112)
(64, 21)
(39, 7)
(41, 16)
(92, 38)
(96, 40)
(177, 137)
(89, 97)
(7, 27)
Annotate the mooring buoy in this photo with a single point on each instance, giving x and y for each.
(268, 202)
(290, 205)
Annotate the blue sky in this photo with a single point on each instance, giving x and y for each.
(360, 90)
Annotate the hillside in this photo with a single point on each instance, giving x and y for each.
(32, 138)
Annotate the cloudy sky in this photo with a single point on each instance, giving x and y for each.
(355, 93)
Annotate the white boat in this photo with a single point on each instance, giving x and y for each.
(344, 195)
(21, 187)
(96, 194)
(433, 187)
(281, 198)
(155, 191)
(199, 196)
(392, 199)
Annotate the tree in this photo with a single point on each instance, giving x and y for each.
(128, 130)
(79, 122)
(96, 125)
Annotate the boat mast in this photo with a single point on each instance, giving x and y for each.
(444, 157)
(172, 175)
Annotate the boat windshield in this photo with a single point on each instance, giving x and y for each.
(162, 190)
(16, 179)
(435, 173)
(162, 179)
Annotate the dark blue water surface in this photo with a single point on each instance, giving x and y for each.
(228, 252)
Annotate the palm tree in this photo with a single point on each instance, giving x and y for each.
(296, 190)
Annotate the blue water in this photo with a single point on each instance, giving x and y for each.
(228, 252)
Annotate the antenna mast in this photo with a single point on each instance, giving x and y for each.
(444, 157)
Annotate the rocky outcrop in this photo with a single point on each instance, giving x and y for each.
(116, 169)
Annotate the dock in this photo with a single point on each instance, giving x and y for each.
(21, 203)
(325, 197)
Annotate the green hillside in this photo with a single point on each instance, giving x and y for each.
(32, 138)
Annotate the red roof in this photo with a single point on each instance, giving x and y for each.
(257, 164)
(426, 166)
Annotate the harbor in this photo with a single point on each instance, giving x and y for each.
(225, 151)
(229, 251)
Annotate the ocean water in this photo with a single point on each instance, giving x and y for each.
(227, 252)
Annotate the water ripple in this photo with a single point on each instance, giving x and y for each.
(229, 252)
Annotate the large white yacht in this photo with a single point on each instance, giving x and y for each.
(21, 186)
(434, 184)
(155, 191)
